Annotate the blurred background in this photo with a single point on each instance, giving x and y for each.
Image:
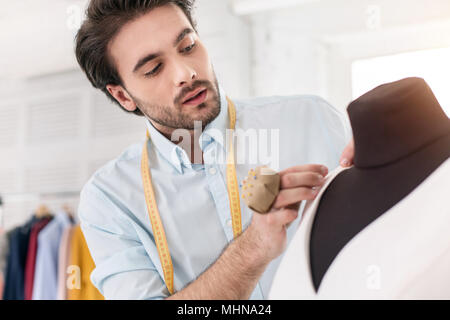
(55, 130)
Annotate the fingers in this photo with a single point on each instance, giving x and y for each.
(317, 168)
(348, 154)
(301, 179)
(296, 184)
(288, 197)
(295, 206)
(282, 217)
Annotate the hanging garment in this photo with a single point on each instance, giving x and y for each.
(45, 285)
(31, 256)
(404, 254)
(63, 262)
(79, 285)
(2, 284)
(15, 269)
(4, 249)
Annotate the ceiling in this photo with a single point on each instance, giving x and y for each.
(37, 36)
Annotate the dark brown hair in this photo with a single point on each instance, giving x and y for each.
(104, 19)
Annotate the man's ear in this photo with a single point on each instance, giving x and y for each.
(122, 96)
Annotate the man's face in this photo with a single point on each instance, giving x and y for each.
(160, 60)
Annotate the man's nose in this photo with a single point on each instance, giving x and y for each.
(184, 74)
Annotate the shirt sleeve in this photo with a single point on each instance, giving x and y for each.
(335, 127)
(44, 287)
(123, 269)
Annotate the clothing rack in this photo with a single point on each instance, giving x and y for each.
(38, 197)
(23, 196)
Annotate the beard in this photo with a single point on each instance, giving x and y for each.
(183, 117)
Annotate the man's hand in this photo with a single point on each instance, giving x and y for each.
(348, 155)
(237, 271)
(267, 232)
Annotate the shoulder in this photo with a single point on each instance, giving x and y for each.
(107, 192)
(130, 156)
(296, 101)
(117, 169)
(310, 108)
(304, 106)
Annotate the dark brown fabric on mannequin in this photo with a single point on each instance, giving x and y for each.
(401, 136)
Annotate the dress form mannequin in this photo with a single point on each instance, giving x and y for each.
(401, 136)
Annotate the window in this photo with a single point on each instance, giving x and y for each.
(431, 65)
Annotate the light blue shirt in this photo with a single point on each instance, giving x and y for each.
(45, 285)
(193, 199)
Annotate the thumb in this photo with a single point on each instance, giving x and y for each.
(348, 154)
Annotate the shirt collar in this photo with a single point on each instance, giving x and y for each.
(63, 218)
(214, 131)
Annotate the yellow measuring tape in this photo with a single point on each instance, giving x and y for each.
(155, 219)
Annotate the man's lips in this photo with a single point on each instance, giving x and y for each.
(197, 97)
(193, 93)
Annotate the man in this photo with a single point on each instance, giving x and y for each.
(148, 58)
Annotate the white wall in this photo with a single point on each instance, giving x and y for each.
(309, 47)
(55, 129)
(305, 47)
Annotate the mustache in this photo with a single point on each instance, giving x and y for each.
(196, 84)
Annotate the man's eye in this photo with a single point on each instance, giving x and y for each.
(187, 49)
(148, 74)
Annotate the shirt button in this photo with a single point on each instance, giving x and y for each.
(212, 171)
(229, 223)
